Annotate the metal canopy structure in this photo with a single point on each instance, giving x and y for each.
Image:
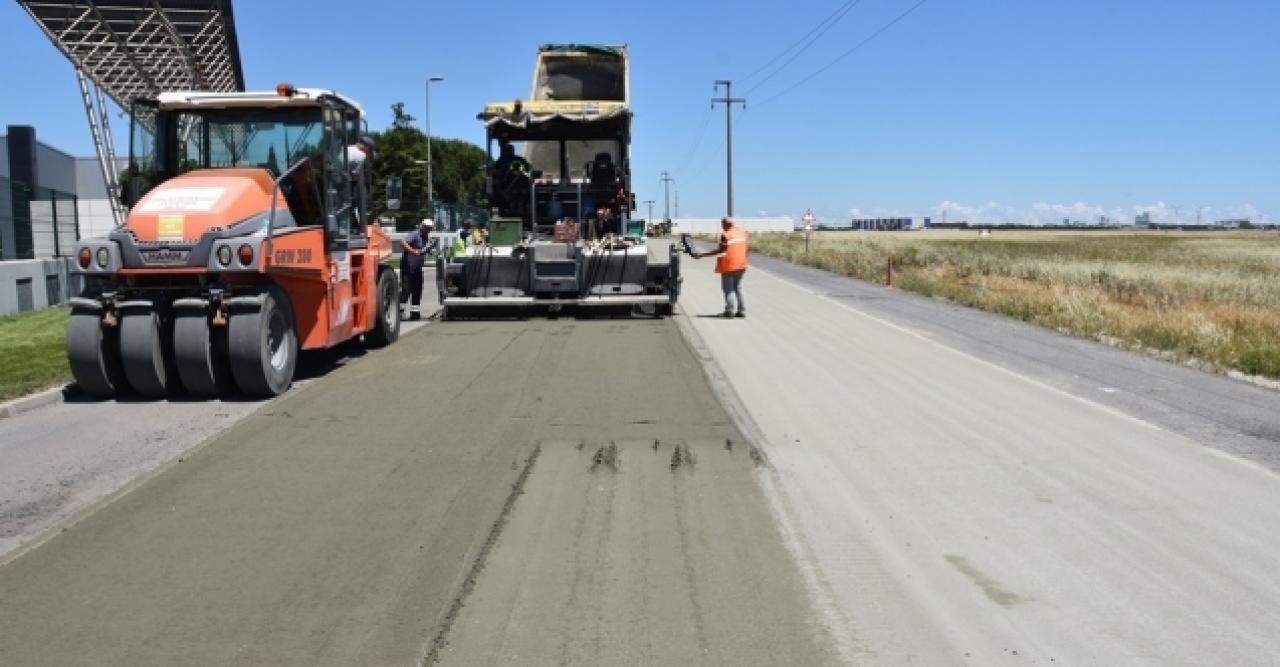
(140, 48)
(137, 48)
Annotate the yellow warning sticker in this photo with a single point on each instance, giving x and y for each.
(170, 228)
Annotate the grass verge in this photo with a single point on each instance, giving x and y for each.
(33, 352)
(1209, 297)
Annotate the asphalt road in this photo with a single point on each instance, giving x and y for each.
(959, 489)
(526, 492)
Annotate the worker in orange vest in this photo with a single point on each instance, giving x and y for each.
(731, 264)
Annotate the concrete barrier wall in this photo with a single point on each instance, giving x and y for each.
(36, 283)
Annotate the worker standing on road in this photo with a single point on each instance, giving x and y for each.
(731, 264)
(415, 247)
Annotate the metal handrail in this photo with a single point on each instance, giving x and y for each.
(268, 243)
(271, 220)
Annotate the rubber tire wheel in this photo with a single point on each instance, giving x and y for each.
(94, 355)
(249, 345)
(142, 352)
(386, 329)
(200, 353)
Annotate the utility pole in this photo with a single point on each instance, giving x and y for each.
(728, 101)
(650, 203)
(676, 207)
(666, 187)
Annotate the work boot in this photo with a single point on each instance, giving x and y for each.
(741, 313)
(728, 314)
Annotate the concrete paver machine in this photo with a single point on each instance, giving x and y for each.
(247, 240)
(559, 180)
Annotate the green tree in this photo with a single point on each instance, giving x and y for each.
(457, 167)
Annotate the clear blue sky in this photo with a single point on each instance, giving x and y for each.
(993, 109)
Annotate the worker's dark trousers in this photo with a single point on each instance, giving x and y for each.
(410, 284)
(731, 283)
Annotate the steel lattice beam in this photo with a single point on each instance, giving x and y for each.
(135, 48)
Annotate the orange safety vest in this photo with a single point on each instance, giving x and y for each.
(734, 257)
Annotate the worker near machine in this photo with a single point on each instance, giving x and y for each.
(731, 264)
(415, 246)
(512, 172)
(357, 154)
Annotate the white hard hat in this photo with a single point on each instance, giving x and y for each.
(428, 222)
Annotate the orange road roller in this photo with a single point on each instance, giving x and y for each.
(247, 240)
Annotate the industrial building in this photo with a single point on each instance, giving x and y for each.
(889, 224)
(48, 198)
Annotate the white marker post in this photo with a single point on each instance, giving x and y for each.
(808, 228)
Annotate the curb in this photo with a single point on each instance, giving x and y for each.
(28, 403)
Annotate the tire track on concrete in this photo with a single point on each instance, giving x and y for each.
(441, 638)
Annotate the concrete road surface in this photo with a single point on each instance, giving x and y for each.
(527, 492)
(946, 508)
(59, 460)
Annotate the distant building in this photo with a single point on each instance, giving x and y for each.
(1142, 220)
(48, 199)
(889, 224)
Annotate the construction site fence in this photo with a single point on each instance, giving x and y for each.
(36, 222)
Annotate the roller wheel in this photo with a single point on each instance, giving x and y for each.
(386, 329)
(142, 350)
(263, 345)
(201, 354)
(94, 355)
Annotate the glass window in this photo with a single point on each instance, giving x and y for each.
(272, 139)
(543, 156)
(584, 155)
(141, 172)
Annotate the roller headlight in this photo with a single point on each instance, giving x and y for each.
(84, 257)
(224, 255)
(245, 254)
(103, 257)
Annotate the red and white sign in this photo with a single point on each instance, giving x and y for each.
(808, 220)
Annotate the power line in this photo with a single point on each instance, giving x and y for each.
(847, 8)
(844, 55)
(697, 141)
(787, 50)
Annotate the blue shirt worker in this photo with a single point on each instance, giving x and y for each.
(414, 246)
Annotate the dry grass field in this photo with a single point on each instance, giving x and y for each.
(1211, 297)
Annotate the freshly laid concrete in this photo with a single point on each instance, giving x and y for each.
(947, 509)
(639, 552)
(358, 519)
(64, 454)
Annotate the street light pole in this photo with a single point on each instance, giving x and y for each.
(650, 203)
(430, 186)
